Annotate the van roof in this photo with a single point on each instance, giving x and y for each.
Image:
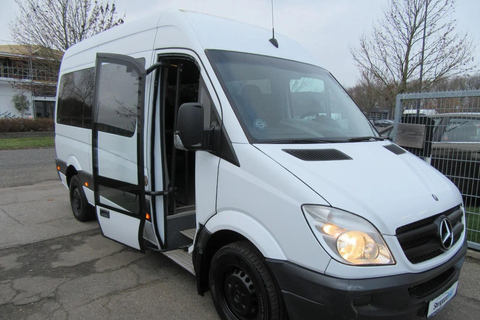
(187, 30)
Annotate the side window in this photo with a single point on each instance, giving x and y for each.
(75, 98)
(118, 87)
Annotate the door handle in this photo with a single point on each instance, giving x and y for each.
(105, 213)
(160, 193)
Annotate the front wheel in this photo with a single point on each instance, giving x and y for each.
(241, 285)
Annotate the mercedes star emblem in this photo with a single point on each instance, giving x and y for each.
(446, 234)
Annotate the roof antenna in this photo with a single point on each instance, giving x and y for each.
(273, 40)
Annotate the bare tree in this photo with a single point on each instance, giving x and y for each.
(414, 46)
(470, 82)
(46, 28)
(59, 24)
(372, 96)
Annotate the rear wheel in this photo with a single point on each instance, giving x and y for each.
(241, 285)
(82, 210)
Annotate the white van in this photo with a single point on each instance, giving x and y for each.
(197, 137)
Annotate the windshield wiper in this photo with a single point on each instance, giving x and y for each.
(369, 138)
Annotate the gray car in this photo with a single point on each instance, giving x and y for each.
(456, 151)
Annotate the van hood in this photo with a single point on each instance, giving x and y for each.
(376, 180)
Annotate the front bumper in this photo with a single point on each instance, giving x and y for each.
(311, 295)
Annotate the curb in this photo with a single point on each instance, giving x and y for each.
(473, 254)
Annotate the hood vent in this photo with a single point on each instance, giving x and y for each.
(395, 149)
(318, 154)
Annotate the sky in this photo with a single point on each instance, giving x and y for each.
(326, 28)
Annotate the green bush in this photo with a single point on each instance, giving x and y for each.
(26, 125)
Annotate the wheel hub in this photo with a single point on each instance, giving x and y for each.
(240, 294)
(76, 200)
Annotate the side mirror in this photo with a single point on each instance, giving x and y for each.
(190, 134)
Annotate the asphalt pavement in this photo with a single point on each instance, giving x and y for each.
(26, 167)
(54, 267)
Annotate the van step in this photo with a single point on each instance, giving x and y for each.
(185, 209)
(189, 233)
(182, 258)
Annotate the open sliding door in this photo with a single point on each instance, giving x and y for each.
(118, 164)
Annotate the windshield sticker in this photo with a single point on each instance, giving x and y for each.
(260, 124)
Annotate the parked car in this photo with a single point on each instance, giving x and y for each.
(383, 123)
(456, 151)
(420, 112)
(453, 145)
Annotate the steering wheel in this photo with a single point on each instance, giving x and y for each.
(309, 113)
(328, 121)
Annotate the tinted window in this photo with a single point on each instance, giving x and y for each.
(75, 98)
(118, 88)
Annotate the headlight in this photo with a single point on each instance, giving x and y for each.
(348, 238)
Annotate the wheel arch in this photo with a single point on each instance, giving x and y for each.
(71, 171)
(220, 231)
(73, 167)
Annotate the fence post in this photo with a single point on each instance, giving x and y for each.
(398, 115)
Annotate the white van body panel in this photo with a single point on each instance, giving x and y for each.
(119, 226)
(82, 54)
(206, 167)
(354, 185)
(237, 36)
(264, 191)
(125, 167)
(73, 144)
(250, 228)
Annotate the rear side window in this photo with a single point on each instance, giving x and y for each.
(75, 98)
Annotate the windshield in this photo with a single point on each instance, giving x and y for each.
(282, 101)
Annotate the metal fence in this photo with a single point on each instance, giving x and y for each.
(443, 128)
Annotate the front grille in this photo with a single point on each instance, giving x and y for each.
(424, 289)
(420, 240)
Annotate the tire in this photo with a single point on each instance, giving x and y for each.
(241, 285)
(81, 209)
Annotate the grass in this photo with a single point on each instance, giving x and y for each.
(473, 224)
(26, 143)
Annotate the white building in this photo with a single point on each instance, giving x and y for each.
(25, 71)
